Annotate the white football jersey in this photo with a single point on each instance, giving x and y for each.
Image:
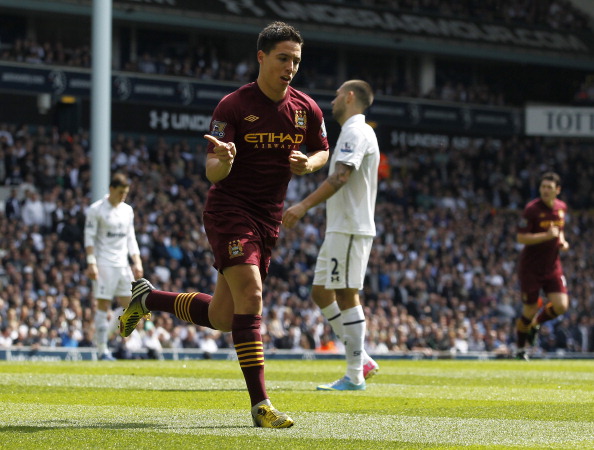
(351, 210)
(110, 230)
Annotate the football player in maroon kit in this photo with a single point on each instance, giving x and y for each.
(539, 267)
(254, 149)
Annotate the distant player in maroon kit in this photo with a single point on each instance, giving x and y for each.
(255, 140)
(541, 232)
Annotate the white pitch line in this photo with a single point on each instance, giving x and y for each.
(370, 427)
(550, 394)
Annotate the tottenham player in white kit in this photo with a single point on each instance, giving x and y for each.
(109, 240)
(350, 192)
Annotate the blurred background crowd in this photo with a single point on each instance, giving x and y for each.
(441, 276)
(206, 57)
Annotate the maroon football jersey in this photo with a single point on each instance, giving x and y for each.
(264, 133)
(541, 259)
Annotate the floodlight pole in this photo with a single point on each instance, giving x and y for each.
(101, 98)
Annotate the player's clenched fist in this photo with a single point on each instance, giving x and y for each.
(299, 163)
(553, 231)
(224, 151)
(293, 214)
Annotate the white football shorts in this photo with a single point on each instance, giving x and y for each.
(342, 261)
(113, 282)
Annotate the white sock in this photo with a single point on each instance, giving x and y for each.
(266, 401)
(353, 322)
(114, 322)
(101, 331)
(333, 315)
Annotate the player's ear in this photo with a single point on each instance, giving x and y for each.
(351, 96)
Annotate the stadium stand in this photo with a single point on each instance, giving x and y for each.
(441, 271)
(441, 276)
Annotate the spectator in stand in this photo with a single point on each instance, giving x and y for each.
(12, 206)
(33, 212)
(208, 344)
(207, 61)
(585, 94)
(71, 337)
(443, 240)
(151, 342)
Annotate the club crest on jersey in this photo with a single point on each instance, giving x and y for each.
(235, 249)
(300, 119)
(218, 128)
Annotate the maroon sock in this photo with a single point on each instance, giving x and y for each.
(522, 331)
(250, 353)
(191, 307)
(548, 313)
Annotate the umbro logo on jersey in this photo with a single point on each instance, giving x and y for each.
(251, 118)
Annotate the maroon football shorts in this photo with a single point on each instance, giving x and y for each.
(237, 239)
(531, 285)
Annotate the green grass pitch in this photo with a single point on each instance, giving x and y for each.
(203, 404)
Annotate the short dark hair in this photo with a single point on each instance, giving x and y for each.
(276, 32)
(362, 90)
(551, 176)
(119, 179)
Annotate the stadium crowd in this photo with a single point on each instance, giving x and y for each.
(585, 94)
(555, 14)
(204, 63)
(208, 59)
(441, 276)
